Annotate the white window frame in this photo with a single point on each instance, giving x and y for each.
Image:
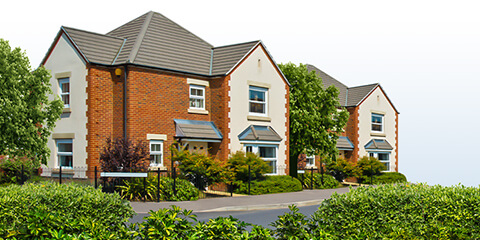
(386, 162)
(59, 154)
(156, 153)
(196, 97)
(255, 148)
(310, 161)
(265, 103)
(61, 81)
(382, 117)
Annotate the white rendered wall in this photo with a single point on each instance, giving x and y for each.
(377, 102)
(64, 59)
(257, 69)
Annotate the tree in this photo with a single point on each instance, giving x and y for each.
(238, 165)
(316, 117)
(122, 155)
(369, 167)
(27, 116)
(342, 169)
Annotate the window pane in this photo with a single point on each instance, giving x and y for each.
(196, 103)
(267, 152)
(273, 166)
(156, 159)
(376, 119)
(383, 156)
(257, 96)
(155, 148)
(257, 107)
(249, 149)
(65, 87)
(387, 166)
(66, 161)
(64, 147)
(377, 127)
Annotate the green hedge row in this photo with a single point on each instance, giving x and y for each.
(328, 181)
(133, 189)
(271, 184)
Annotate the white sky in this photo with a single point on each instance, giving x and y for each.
(425, 54)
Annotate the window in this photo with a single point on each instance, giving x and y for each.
(156, 153)
(310, 161)
(382, 157)
(64, 84)
(197, 97)
(267, 152)
(377, 122)
(65, 153)
(258, 101)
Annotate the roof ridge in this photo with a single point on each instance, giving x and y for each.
(140, 37)
(85, 31)
(371, 84)
(308, 64)
(236, 44)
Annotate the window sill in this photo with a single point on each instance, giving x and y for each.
(259, 118)
(378, 134)
(66, 170)
(67, 110)
(155, 168)
(197, 111)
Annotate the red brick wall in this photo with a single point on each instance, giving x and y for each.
(219, 114)
(351, 131)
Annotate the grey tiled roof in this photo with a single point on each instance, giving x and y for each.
(259, 133)
(96, 47)
(197, 129)
(226, 57)
(378, 144)
(328, 81)
(343, 143)
(357, 94)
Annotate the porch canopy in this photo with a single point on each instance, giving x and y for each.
(378, 144)
(259, 133)
(343, 143)
(197, 131)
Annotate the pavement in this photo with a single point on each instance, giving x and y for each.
(245, 203)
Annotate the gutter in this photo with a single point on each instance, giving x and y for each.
(125, 135)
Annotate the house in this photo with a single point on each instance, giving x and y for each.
(150, 79)
(372, 128)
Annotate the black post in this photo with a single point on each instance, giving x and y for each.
(371, 172)
(144, 193)
(96, 183)
(174, 182)
(231, 189)
(22, 177)
(158, 184)
(249, 179)
(311, 182)
(60, 173)
(321, 170)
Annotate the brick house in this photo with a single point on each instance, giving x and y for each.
(150, 79)
(372, 128)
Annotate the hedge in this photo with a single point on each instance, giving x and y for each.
(271, 184)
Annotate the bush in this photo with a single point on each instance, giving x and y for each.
(271, 184)
(50, 209)
(401, 211)
(390, 177)
(342, 169)
(368, 166)
(328, 181)
(238, 165)
(11, 168)
(133, 189)
(122, 155)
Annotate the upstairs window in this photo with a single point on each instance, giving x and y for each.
(64, 84)
(156, 153)
(258, 101)
(65, 153)
(197, 97)
(377, 122)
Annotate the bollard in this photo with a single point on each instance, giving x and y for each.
(249, 179)
(60, 174)
(158, 184)
(144, 193)
(22, 177)
(174, 183)
(96, 183)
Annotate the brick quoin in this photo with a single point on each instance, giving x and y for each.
(396, 141)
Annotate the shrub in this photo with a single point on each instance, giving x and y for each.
(390, 177)
(328, 181)
(238, 165)
(342, 169)
(294, 225)
(369, 166)
(122, 155)
(199, 169)
(401, 211)
(48, 209)
(271, 184)
(133, 189)
(11, 168)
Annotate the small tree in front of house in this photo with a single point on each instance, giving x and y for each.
(123, 155)
(369, 167)
(238, 163)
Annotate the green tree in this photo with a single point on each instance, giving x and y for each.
(238, 165)
(316, 117)
(369, 167)
(27, 116)
(342, 169)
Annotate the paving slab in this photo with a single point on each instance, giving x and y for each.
(245, 203)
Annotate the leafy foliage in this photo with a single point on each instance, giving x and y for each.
(122, 155)
(27, 117)
(328, 181)
(238, 164)
(199, 169)
(342, 169)
(11, 168)
(50, 209)
(133, 189)
(401, 211)
(315, 119)
(390, 177)
(369, 166)
(271, 184)
(294, 225)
